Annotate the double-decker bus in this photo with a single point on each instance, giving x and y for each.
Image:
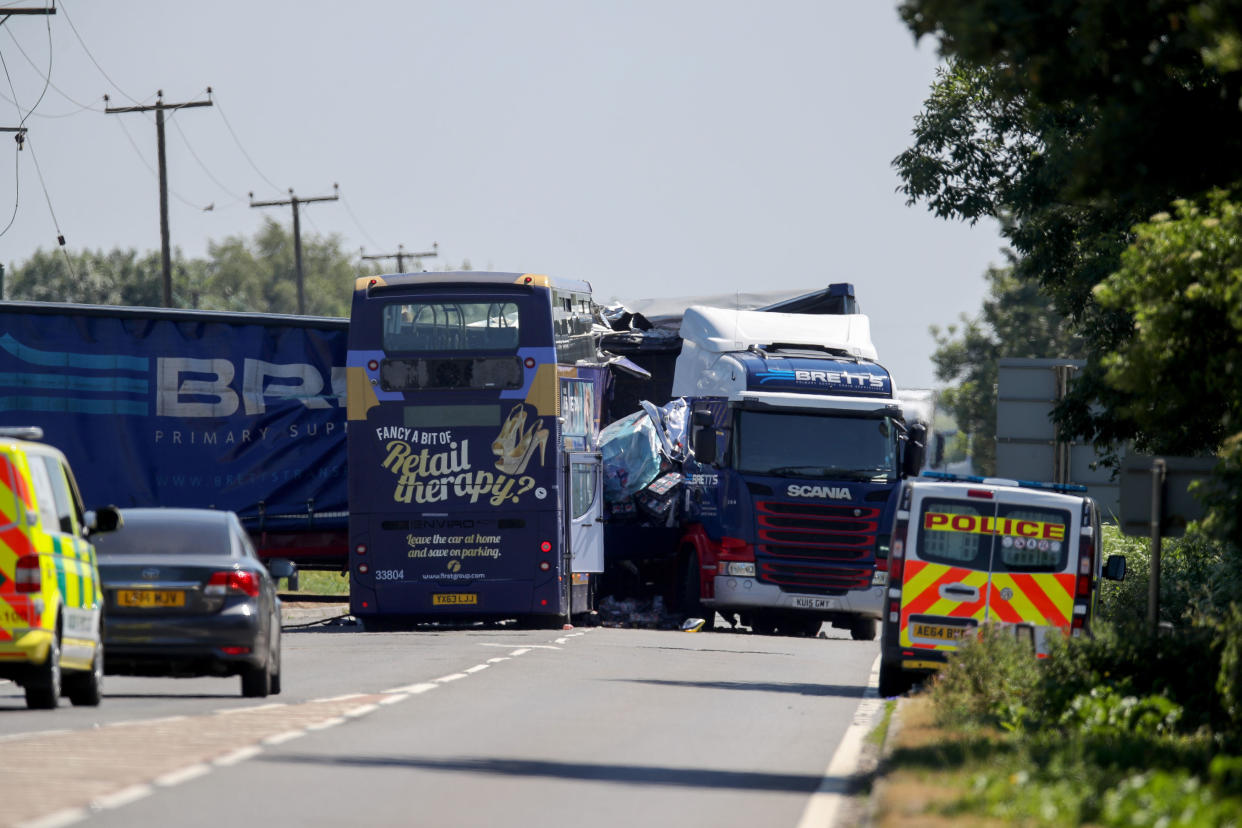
(473, 402)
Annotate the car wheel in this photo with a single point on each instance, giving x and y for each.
(863, 629)
(86, 689)
(274, 684)
(256, 682)
(43, 689)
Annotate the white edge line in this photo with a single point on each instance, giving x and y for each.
(345, 697)
(360, 710)
(562, 640)
(281, 738)
(35, 735)
(393, 698)
(521, 651)
(476, 668)
(161, 720)
(422, 687)
(183, 775)
(824, 804)
(122, 797)
(450, 677)
(231, 710)
(497, 659)
(326, 723)
(236, 756)
(57, 819)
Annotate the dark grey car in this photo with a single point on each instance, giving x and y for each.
(186, 595)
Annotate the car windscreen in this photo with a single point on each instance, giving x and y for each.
(962, 533)
(143, 538)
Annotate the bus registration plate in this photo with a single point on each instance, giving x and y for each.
(445, 599)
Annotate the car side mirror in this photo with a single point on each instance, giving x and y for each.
(912, 459)
(1115, 568)
(703, 438)
(281, 567)
(105, 519)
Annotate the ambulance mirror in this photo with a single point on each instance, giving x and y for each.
(1115, 568)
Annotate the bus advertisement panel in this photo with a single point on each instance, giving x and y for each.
(457, 465)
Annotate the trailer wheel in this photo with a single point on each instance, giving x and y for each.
(691, 601)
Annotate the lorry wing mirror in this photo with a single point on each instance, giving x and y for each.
(703, 438)
(1115, 568)
(912, 460)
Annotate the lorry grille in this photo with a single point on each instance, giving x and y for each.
(815, 547)
(826, 580)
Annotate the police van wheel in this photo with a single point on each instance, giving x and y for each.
(893, 680)
(863, 629)
(43, 689)
(86, 689)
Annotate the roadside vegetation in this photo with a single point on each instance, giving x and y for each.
(1120, 728)
(315, 582)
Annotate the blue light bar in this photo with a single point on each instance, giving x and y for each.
(1004, 481)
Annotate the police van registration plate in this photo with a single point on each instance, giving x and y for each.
(151, 598)
(938, 632)
(446, 599)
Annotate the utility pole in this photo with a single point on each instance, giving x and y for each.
(19, 133)
(401, 256)
(297, 231)
(159, 107)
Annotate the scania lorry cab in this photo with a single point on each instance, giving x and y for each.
(968, 551)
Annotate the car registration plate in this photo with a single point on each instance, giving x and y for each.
(151, 598)
(445, 599)
(938, 632)
(815, 603)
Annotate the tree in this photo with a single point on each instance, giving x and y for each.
(237, 275)
(1074, 122)
(1017, 320)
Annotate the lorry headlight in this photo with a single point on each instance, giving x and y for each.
(880, 578)
(741, 569)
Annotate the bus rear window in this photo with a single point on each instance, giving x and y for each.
(420, 374)
(451, 325)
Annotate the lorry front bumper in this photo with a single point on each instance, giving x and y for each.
(732, 592)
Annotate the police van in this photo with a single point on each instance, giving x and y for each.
(967, 551)
(51, 602)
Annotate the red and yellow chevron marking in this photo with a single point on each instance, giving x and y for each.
(1042, 600)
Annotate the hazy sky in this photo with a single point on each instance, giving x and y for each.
(654, 148)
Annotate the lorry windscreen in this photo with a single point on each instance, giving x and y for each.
(820, 446)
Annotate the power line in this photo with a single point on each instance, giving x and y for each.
(115, 85)
(185, 139)
(48, 78)
(17, 186)
(237, 140)
(160, 107)
(358, 224)
(294, 201)
(60, 237)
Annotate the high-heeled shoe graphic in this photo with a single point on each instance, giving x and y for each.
(514, 462)
(510, 432)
